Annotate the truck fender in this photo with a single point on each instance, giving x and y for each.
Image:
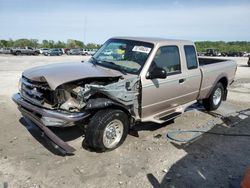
(100, 103)
(222, 78)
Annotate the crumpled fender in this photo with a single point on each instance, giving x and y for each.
(100, 103)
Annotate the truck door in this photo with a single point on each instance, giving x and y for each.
(192, 73)
(29, 50)
(159, 95)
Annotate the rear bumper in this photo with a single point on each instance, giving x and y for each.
(42, 118)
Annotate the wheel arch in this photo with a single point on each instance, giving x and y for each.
(105, 103)
(222, 79)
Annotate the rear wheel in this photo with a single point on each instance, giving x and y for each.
(214, 100)
(18, 53)
(107, 130)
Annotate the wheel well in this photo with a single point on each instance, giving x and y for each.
(120, 108)
(224, 82)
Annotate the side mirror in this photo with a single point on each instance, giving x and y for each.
(156, 73)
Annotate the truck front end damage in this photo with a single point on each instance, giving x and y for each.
(124, 93)
(75, 102)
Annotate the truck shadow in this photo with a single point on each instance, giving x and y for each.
(243, 65)
(212, 160)
(66, 134)
(154, 126)
(147, 127)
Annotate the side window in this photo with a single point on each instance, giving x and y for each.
(168, 58)
(191, 57)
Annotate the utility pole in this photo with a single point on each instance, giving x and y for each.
(85, 29)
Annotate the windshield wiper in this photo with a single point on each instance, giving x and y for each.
(116, 66)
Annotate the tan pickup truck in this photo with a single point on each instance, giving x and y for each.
(128, 80)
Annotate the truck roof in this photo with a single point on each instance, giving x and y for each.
(156, 40)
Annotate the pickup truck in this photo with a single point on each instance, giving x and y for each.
(5, 50)
(142, 80)
(25, 51)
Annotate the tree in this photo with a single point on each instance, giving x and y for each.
(92, 46)
(22, 43)
(75, 44)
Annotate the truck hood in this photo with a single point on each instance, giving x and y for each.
(58, 74)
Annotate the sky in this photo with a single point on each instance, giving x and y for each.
(96, 21)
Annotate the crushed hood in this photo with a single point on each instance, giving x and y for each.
(58, 74)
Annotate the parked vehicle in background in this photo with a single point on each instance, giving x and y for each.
(234, 54)
(223, 54)
(143, 80)
(248, 61)
(201, 53)
(25, 51)
(245, 54)
(89, 51)
(66, 50)
(92, 52)
(75, 51)
(44, 50)
(54, 52)
(5, 50)
(62, 49)
(211, 52)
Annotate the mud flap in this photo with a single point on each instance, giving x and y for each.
(224, 97)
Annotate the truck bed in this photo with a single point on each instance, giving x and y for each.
(213, 69)
(207, 61)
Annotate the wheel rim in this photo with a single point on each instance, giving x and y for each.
(217, 96)
(113, 133)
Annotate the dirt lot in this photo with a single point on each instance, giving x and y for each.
(150, 160)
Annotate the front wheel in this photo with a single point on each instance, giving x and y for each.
(107, 130)
(18, 53)
(214, 100)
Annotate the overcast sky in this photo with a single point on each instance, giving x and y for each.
(96, 21)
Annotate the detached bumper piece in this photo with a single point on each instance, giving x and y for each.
(43, 117)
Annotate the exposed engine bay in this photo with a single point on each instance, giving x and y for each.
(87, 94)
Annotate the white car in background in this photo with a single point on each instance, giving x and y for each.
(89, 51)
(44, 50)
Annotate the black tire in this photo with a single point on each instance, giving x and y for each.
(95, 130)
(18, 53)
(36, 53)
(208, 103)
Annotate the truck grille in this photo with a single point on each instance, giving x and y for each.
(35, 92)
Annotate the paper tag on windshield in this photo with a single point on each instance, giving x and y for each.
(142, 49)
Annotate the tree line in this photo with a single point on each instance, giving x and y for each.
(34, 43)
(236, 46)
(221, 46)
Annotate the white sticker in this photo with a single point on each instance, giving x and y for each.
(142, 49)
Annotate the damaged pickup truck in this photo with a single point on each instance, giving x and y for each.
(128, 80)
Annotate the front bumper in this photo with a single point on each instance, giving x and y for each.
(43, 117)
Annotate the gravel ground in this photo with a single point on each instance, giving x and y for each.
(150, 160)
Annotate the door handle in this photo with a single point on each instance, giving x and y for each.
(182, 80)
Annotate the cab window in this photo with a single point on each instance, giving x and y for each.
(168, 58)
(191, 57)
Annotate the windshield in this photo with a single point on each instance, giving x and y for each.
(127, 56)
